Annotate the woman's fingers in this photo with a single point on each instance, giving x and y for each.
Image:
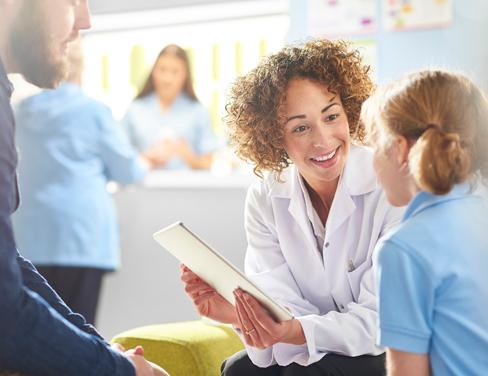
(203, 297)
(197, 288)
(247, 338)
(244, 319)
(260, 319)
(189, 276)
(252, 332)
(258, 314)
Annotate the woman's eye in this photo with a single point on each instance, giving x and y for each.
(332, 117)
(300, 128)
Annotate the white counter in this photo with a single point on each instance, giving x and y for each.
(146, 290)
(197, 179)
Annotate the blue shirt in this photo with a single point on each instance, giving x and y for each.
(433, 284)
(39, 334)
(69, 148)
(146, 124)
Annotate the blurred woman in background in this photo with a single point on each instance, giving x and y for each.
(167, 114)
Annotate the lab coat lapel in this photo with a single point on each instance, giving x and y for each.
(358, 178)
(342, 208)
(298, 211)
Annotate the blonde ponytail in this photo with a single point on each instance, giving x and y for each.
(438, 161)
(444, 117)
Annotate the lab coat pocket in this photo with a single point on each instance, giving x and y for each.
(355, 277)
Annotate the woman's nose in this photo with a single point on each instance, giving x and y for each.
(320, 135)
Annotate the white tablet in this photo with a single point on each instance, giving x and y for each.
(212, 267)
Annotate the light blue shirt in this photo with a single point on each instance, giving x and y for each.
(69, 148)
(146, 124)
(433, 282)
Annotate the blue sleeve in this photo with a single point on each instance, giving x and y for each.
(34, 338)
(406, 295)
(36, 283)
(127, 125)
(122, 163)
(206, 139)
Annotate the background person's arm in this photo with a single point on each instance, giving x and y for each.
(121, 161)
(192, 159)
(199, 155)
(401, 363)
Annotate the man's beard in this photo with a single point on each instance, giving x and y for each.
(32, 49)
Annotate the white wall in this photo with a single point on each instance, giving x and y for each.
(461, 46)
(116, 6)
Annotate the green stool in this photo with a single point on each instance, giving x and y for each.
(192, 348)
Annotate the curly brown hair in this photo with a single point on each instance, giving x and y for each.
(255, 115)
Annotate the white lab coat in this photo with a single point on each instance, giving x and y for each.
(332, 295)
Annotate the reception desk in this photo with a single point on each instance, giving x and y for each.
(147, 289)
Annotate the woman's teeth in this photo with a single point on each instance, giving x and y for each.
(325, 157)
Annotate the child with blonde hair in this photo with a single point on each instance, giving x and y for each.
(430, 134)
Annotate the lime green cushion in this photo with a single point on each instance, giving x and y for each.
(188, 348)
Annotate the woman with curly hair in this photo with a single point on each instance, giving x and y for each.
(312, 222)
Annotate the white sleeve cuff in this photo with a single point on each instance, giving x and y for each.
(261, 358)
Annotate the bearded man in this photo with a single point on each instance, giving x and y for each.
(39, 334)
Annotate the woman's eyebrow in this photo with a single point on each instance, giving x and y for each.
(295, 117)
(329, 105)
(323, 110)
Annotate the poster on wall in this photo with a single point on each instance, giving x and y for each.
(416, 14)
(337, 18)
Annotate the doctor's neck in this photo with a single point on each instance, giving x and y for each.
(321, 195)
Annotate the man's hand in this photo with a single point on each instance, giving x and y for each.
(143, 367)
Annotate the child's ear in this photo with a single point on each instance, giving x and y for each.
(403, 148)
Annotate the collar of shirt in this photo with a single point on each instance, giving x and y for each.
(179, 102)
(313, 217)
(68, 87)
(5, 84)
(424, 200)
